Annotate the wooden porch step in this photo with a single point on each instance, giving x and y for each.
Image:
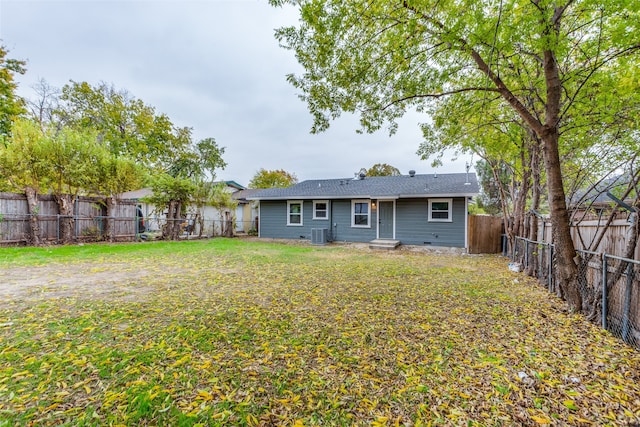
(384, 244)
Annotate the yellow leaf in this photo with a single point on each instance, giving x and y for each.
(541, 420)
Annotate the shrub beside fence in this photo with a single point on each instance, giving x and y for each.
(609, 285)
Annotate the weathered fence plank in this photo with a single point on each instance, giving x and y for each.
(88, 218)
(485, 234)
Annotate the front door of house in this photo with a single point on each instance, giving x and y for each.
(385, 220)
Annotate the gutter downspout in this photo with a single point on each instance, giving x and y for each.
(330, 209)
(259, 218)
(466, 224)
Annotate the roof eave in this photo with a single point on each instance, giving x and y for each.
(365, 196)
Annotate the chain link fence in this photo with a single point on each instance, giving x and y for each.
(609, 285)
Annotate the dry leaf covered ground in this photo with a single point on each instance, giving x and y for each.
(231, 332)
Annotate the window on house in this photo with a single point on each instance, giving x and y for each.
(320, 209)
(294, 212)
(360, 213)
(440, 210)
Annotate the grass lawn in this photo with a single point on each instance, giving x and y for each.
(233, 332)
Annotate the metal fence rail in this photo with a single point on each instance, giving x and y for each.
(15, 228)
(609, 285)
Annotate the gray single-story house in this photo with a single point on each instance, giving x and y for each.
(408, 209)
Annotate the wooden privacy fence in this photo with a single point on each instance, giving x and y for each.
(585, 233)
(89, 215)
(485, 234)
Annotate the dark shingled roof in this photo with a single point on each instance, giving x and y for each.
(377, 187)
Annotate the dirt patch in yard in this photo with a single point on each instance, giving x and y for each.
(84, 280)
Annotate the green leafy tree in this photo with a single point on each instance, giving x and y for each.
(125, 125)
(224, 203)
(62, 161)
(383, 169)
(542, 60)
(171, 195)
(210, 155)
(24, 164)
(490, 198)
(11, 105)
(116, 175)
(72, 157)
(278, 178)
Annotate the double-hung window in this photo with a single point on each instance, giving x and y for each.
(320, 209)
(360, 213)
(440, 210)
(294, 212)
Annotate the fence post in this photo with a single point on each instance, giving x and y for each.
(604, 291)
(526, 254)
(550, 266)
(539, 249)
(627, 304)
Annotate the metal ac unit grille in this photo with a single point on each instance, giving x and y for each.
(319, 236)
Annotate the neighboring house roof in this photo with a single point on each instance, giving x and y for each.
(243, 194)
(136, 194)
(233, 184)
(377, 187)
(143, 192)
(597, 195)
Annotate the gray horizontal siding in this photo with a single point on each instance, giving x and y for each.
(273, 222)
(343, 230)
(413, 226)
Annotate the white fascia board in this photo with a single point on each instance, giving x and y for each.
(316, 197)
(437, 195)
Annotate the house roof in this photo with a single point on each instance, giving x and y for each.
(597, 194)
(143, 192)
(377, 187)
(234, 184)
(243, 194)
(136, 194)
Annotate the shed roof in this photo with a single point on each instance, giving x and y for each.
(377, 187)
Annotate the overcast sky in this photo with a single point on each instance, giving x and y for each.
(212, 65)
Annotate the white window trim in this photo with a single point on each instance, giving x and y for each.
(294, 202)
(353, 213)
(326, 202)
(450, 211)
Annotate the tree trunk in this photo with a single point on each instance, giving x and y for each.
(534, 152)
(228, 225)
(567, 270)
(565, 266)
(167, 230)
(177, 223)
(171, 230)
(110, 222)
(34, 221)
(65, 208)
(200, 218)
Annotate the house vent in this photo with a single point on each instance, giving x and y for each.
(319, 236)
(412, 173)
